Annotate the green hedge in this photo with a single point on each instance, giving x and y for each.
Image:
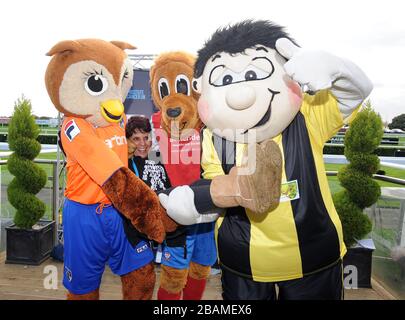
(42, 138)
(48, 139)
(381, 151)
(360, 190)
(29, 178)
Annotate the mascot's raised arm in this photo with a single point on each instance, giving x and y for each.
(254, 81)
(87, 80)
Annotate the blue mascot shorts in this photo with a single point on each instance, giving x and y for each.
(199, 248)
(92, 240)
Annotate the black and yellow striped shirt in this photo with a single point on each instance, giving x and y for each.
(301, 236)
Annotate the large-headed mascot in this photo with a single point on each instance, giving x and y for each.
(189, 252)
(87, 80)
(255, 81)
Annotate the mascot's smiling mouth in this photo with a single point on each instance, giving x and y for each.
(266, 116)
(111, 116)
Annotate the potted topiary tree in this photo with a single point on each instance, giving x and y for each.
(360, 190)
(29, 240)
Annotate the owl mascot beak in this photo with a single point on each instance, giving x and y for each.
(112, 110)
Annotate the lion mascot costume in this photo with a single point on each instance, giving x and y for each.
(190, 251)
(87, 80)
(256, 84)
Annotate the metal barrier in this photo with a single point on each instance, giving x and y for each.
(388, 234)
(57, 189)
(388, 217)
(375, 176)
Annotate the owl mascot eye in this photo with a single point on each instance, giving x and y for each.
(259, 89)
(87, 80)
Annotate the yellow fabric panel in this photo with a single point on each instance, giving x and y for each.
(210, 162)
(327, 197)
(274, 249)
(272, 259)
(324, 117)
(211, 166)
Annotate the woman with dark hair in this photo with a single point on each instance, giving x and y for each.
(153, 173)
(138, 133)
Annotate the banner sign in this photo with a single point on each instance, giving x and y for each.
(139, 99)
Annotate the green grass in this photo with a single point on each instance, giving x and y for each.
(385, 203)
(43, 130)
(6, 210)
(387, 234)
(396, 173)
(6, 176)
(47, 156)
(335, 186)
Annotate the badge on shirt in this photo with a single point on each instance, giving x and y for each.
(69, 275)
(142, 248)
(289, 191)
(122, 123)
(71, 130)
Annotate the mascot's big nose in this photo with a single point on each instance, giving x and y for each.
(240, 97)
(173, 112)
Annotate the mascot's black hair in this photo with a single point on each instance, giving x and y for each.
(239, 37)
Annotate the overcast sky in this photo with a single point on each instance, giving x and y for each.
(371, 33)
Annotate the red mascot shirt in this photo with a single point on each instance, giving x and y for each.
(181, 158)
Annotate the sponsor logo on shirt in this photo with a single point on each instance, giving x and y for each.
(193, 137)
(289, 191)
(118, 140)
(122, 123)
(71, 130)
(142, 249)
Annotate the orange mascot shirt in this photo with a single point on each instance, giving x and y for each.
(93, 155)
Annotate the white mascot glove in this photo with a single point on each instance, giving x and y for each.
(319, 70)
(179, 205)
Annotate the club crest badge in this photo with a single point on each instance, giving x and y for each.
(71, 130)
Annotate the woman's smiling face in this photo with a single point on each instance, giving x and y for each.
(142, 142)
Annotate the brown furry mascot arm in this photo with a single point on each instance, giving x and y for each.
(135, 200)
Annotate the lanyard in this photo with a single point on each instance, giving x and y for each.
(135, 168)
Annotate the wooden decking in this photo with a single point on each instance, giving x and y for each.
(19, 282)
